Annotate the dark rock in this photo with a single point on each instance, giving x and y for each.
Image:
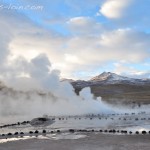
(44, 131)
(31, 132)
(16, 133)
(110, 131)
(36, 131)
(144, 132)
(71, 130)
(58, 131)
(114, 131)
(9, 134)
(21, 133)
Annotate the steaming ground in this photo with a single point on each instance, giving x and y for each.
(41, 93)
(87, 133)
(32, 103)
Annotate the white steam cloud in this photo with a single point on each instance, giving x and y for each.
(41, 92)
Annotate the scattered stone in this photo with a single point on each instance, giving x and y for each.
(36, 131)
(31, 132)
(137, 132)
(16, 133)
(9, 134)
(21, 133)
(44, 131)
(144, 132)
(71, 130)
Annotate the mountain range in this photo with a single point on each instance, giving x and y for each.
(108, 78)
(116, 88)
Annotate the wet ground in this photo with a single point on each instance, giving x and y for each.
(91, 132)
(91, 142)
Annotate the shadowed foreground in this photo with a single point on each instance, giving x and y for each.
(91, 142)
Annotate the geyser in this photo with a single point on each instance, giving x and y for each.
(43, 93)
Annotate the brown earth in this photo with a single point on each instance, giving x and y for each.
(122, 93)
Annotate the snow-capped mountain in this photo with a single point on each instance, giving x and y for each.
(106, 78)
(109, 76)
(115, 88)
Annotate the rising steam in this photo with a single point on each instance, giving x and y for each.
(43, 93)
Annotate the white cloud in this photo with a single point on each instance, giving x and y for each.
(127, 13)
(83, 52)
(71, 58)
(137, 74)
(91, 45)
(119, 44)
(85, 25)
(125, 69)
(114, 8)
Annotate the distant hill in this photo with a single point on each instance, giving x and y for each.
(115, 88)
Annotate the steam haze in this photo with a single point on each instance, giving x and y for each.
(43, 93)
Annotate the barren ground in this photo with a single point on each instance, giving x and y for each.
(91, 142)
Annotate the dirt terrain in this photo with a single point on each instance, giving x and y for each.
(121, 93)
(91, 142)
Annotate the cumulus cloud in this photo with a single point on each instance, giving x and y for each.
(127, 13)
(119, 44)
(114, 8)
(87, 50)
(86, 25)
(5, 36)
(124, 68)
(90, 44)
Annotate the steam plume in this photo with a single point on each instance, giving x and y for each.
(43, 93)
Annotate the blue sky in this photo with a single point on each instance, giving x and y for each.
(80, 38)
